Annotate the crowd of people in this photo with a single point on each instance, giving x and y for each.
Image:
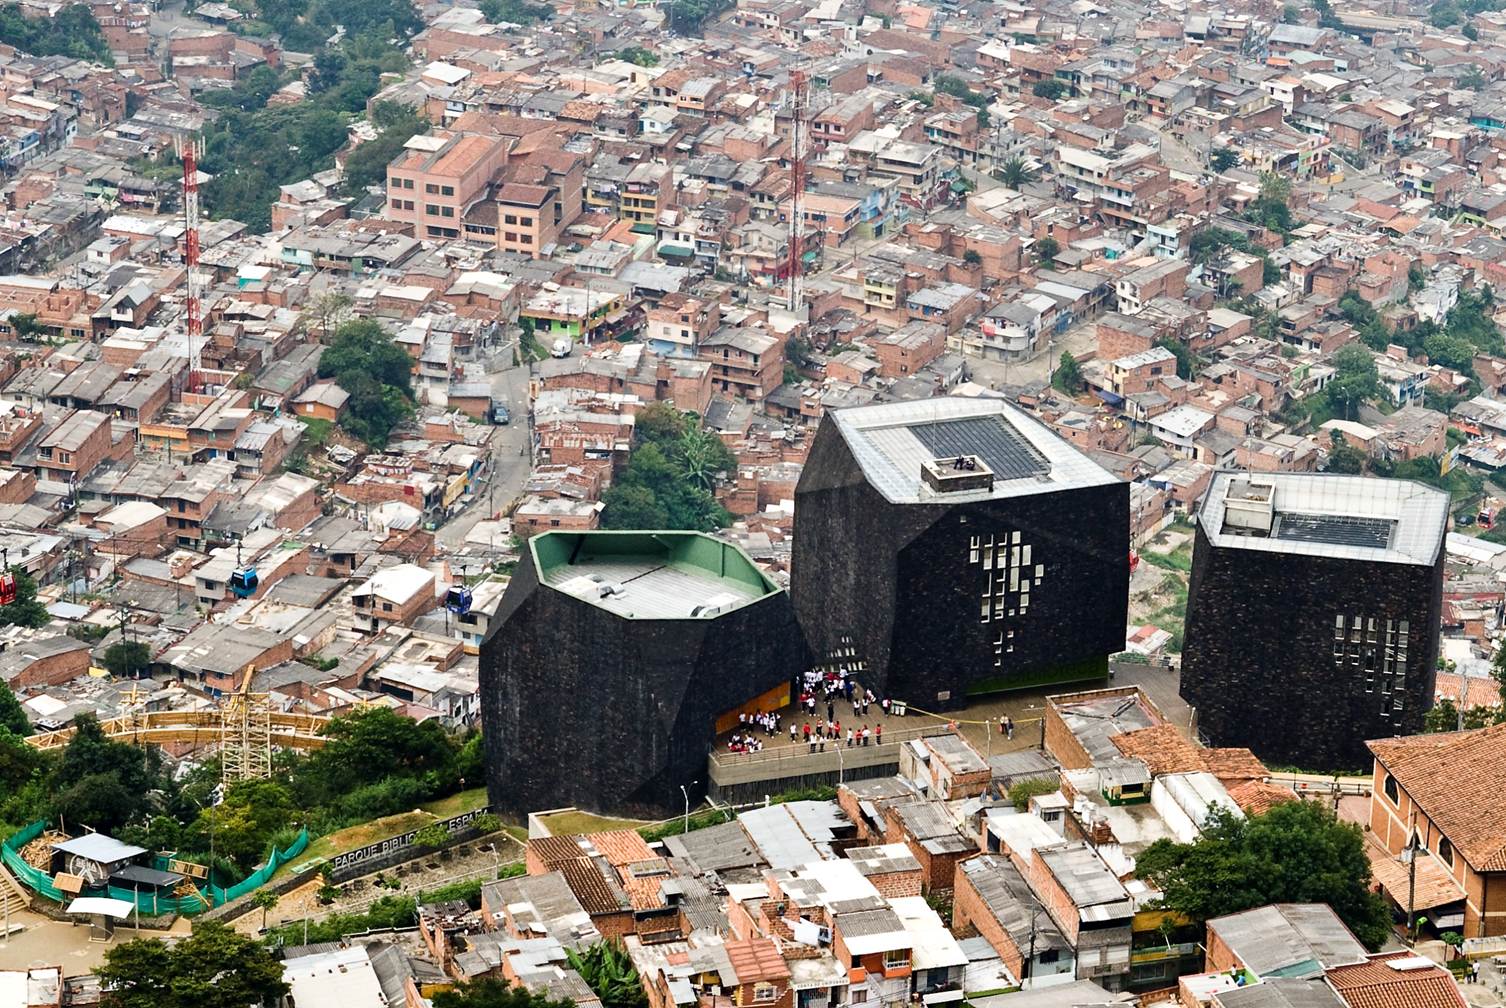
(820, 687)
(828, 688)
(744, 740)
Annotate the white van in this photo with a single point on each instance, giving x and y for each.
(561, 347)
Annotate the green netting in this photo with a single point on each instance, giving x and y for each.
(149, 905)
(262, 875)
(28, 876)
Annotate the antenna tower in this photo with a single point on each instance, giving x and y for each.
(800, 98)
(189, 153)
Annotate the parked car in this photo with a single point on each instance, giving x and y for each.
(501, 415)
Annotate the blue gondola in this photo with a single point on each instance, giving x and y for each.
(458, 600)
(243, 579)
(243, 582)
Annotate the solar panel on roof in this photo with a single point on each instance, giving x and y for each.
(1336, 530)
(1002, 449)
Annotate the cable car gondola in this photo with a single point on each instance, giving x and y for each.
(458, 600)
(243, 579)
(7, 582)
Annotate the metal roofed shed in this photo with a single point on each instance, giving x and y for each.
(1297, 940)
(893, 441)
(656, 575)
(1324, 514)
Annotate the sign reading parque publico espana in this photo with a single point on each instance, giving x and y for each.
(372, 851)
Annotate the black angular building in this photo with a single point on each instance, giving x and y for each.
(1313, 614)
(612, 657)
(954, 546)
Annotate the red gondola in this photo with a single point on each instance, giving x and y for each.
(7, 588)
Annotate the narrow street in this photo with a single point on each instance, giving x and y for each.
(510, 462)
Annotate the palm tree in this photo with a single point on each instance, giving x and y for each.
(700, 455)
(1015, 173)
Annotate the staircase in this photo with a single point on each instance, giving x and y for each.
(14, 899)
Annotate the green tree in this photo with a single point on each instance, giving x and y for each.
(72, 31)
(99, 782)
(12, 716)
(1051, 90)
(1047, 249)
(367, 164)
(1355, 380)
(1296, 852)
(264, 900)
(1470, 32)
(632, 507)
(377, 374)
(1068, 376)
(515, 11)
(125, 659)
(1290, 15)
(1344, 457)
(1021, 793)
(1417, 277)
(971, 257)
(25, 610)
(1015, 172)
(214, 967)
(609, 972)
(638, 56)
(1187, 362)
(243, 825)
(1473, 79)
(1275, 187)
(669, 476)
(1222, 159)
(370, 746)
(26, 326)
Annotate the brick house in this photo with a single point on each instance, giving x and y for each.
(744, 362)
(992, 901)
(74, 448)
(43, 661)
(950, 767)
(396, 595)
(927, 829)
(1446, 789)
(908, 349)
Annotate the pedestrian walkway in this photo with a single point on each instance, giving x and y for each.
(978, 722)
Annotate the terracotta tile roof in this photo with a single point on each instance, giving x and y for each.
(644, 892)
(596, 894)
(1435, 887)
(621, 847)
(1234, 765)
(1257, 796)
(1480, 691)
(1456, 778)
(1375, 984)
(757, 960)
(556, 850)
(1162, 748)
(1164, 751)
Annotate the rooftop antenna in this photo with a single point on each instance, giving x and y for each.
(800, 98)
(189, 150)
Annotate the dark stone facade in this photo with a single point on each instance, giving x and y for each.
(1259, 659)
(903, 585)
(582, 707)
